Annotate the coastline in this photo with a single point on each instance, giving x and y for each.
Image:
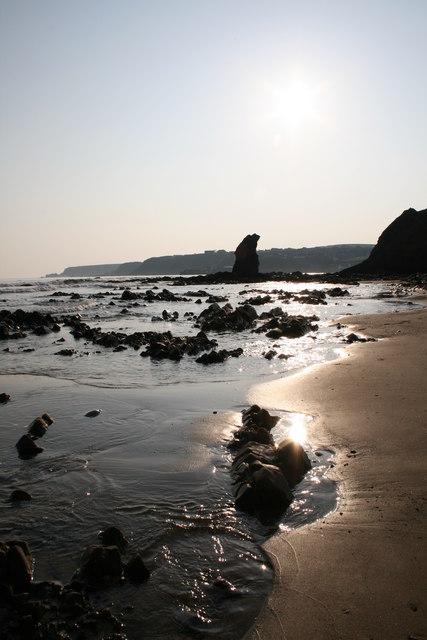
(361, 572)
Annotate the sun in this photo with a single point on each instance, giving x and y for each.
(294, 103)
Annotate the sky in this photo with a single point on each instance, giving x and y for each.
(131, 129)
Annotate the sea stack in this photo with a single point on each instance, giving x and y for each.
(401, 248)
(247, 261)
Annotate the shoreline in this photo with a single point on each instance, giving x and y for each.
(361, 572)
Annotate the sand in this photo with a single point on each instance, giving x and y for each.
(361, 572)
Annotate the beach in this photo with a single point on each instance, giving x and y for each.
(361, 572)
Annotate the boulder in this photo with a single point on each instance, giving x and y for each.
(101, 566)
(19, 495)
(136, 570)
(16, 565)
(4, 397)
(37, 428)
(247, 261)
(292, 460)
(27, 448)
(113, 536)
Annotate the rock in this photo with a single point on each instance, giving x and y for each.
(19, 495)
(271, 486)
(65, 352)
(129, 295)
(136, 570)
(101, 566)
(337, 292)
(247, 261)
(4, 397)
(93, 413)
(113, 536)
(16, 565)
(260, 417)
(37, 428)
(292, 460)
(401, 248)
(47, 418)
(27, 448)
(215, 357)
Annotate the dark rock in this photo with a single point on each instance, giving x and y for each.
(65, 352)
(37, 428)
(353, 337)
(136, 570)
(101, 566)
(47, 418)
(292, 460)
(215, 357)
(27, 448)
(16, 565)
(337, 292)
(93, 413)
(401, 248)
(261, 417)
(129, 295)
(4, 397)
(19, 495)
(113, 536)
(269, 355)
(247, 261)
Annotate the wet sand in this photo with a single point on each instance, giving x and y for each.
(361, 572)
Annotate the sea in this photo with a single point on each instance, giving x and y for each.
(154, 460)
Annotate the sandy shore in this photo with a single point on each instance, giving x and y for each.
(362, 571)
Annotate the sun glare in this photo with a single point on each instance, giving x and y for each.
(298, 431)
(294, 103)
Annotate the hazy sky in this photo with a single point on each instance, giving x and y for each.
(137, 128)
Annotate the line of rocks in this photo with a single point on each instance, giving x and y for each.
(263, 474)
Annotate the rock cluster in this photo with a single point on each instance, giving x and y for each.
(216, 318)
(15, 324)
(165, 345)
(279, 324)
(49, 610)
(264, 474)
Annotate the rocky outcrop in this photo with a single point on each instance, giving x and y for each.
(247, 261)
(401, 248)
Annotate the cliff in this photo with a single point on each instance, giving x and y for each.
(401, 248)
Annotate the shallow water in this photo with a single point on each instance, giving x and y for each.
(154, 462)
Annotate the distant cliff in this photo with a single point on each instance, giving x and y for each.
(401, 248)
(327, 259)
